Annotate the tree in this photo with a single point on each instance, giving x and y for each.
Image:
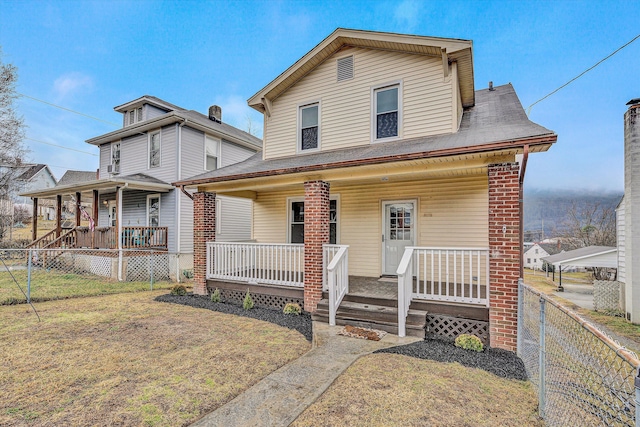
(12, 149)
(590, 224)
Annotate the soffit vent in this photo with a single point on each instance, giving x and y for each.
(345, 68)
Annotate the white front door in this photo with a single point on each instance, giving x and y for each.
(113, 212)
(398, 233)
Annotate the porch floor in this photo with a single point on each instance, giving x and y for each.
(383, 288)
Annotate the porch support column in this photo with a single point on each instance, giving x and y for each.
(58, 215)
(504, 254)
(316, 234)
(204, 230)
(78, 200)
(34, 220)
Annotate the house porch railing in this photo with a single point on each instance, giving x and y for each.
(265, 263)
(106, 238)
(458, 275)
(337, 274)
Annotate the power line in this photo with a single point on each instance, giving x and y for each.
(583, 73)
(67, 109)
(61, 146)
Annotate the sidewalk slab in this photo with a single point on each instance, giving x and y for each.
(280, 397)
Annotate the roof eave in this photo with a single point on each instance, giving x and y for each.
(542, 141)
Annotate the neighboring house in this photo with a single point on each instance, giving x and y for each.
(533, 255)
(628, 216)
(380, 159)
(132, 197)
(32, 177)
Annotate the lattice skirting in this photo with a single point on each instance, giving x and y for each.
(448, 327)
(606, 295)
(261, 300)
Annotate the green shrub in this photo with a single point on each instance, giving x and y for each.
(179, 290)
(469, 342)
(247, 304)
(292, 308)
(215, 296)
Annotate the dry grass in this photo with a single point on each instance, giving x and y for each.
(49, 285)
(128, 360)
(394, 390)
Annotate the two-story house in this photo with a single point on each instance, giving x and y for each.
(134, 205)
(388, 190)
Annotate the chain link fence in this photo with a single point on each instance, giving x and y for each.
(582, 377)
(45, 274)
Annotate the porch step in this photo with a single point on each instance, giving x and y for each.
(369, 315)
(386, 302)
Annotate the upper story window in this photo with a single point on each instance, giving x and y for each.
(154, 149)
(309, 128)
(115, 157)
(211, 153)
(387, 112)
(133, 116)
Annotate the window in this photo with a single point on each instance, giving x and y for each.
(132, 117)
(309, 132)
(345, 68)
(386, 107)
(115, 158)
(535, 260)
(154, 150)
(528, 260)
(296, 220)
(211, 153)
(139, 114)
(153, 210)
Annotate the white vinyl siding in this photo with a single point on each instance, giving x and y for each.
(345, 120)
(152, 112)
(192, 143)
(451, 212)
(621, 238)
(105, 160)
(233, 153)
(134, 154)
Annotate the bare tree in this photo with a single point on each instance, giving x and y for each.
(12, 149)
(590, 224)
(252, 128)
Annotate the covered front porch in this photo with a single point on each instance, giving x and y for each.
(98, 215)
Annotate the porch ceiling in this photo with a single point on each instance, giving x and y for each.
(410, 170)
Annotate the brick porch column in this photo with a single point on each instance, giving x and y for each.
(316, 233)
(504, 254)
(204, 230)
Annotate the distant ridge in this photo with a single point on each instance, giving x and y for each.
(550, 207)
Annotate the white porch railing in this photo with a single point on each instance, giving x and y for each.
(328, 252)
(268, 263)
(442, 274)
(337, 275)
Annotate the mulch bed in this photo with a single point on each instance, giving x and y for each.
(300, 323)
(502, 363)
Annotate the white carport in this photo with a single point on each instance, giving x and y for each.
(591, 256)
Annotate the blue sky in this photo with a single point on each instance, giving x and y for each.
(91, 56)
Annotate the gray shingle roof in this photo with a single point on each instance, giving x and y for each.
(496, 117)
(77, 177)
(554, 248)
(222, 127)
(589, 251)
(140, 177)
(30, 171)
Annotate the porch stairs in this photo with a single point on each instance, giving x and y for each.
(374, 313)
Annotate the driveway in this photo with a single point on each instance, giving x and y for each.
(579, 294)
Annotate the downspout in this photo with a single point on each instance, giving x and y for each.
(178, 200)
(523, 169)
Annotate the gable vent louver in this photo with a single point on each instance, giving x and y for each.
(345, 68)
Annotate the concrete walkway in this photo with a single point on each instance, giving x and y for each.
(578, 293)
(279, 398)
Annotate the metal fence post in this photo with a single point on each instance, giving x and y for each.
(520, 316)
(541, 361)
(29, 265)
(637, 400)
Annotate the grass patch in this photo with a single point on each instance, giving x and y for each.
(50, 284)
(394, 390)
(126, 359)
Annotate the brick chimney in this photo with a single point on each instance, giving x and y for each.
(632, 210)
(215, 113)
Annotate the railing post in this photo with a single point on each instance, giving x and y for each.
(401, 299)
(520, 316)
(29, 265)
(332, 298)
(542, 361)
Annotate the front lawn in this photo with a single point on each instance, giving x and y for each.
(393, 390)
(126, 359)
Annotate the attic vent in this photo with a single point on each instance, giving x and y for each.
(345, 68)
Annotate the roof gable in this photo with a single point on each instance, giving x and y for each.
(448, 49)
